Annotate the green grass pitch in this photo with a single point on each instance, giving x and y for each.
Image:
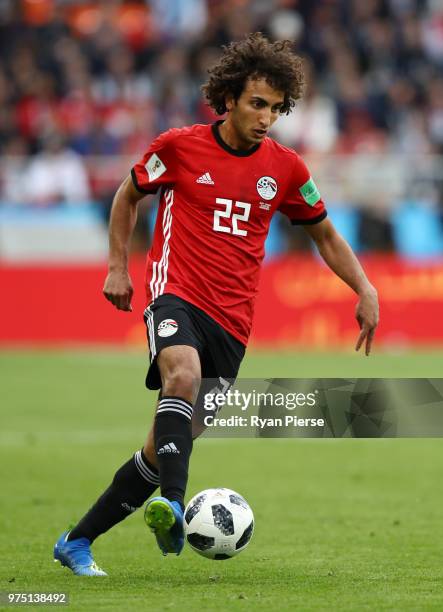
(340, 524)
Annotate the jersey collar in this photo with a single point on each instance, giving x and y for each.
(226, 147)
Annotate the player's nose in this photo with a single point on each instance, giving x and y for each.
(265, 120)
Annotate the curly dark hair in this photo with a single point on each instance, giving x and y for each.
(255, 57)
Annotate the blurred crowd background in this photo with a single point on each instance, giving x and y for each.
(86, 85)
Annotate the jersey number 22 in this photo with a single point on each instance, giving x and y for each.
(227, 214)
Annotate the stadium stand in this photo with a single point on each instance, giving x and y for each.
(86, 85)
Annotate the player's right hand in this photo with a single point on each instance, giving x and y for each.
(367, 315)
(118, 289)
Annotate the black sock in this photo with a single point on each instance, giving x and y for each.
(173, 446)
(133, 483)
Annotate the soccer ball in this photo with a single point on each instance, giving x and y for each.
(218, 523)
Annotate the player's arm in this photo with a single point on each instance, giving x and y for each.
(341, 259)
(118, 287)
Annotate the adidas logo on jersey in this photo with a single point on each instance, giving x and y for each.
(168, 448)
(205, 179)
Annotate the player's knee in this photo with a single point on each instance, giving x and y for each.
(182, 382)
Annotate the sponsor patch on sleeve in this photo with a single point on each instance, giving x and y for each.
(310, 193)
(155, 167)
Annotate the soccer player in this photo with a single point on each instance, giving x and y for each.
(219, 187)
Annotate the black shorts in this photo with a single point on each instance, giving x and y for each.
(172, 321)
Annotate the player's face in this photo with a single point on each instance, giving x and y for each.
(252, 115)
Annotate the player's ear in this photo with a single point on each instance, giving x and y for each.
(229, 102)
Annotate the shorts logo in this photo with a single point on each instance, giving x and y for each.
(267, 187)
(167, 327)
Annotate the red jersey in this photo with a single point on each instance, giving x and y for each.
(216, 205)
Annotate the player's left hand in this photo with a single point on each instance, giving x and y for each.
(367, 315)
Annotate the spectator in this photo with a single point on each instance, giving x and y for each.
(109, 75)
(104, 64)
(313, 127)
(56, 175)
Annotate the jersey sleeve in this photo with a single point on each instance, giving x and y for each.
(302, 202)
(157, 168)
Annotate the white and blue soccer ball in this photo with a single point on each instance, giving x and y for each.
(218, 523)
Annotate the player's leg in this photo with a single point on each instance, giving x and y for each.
(175, 344)
(219, 356)
(180, 373)
(171, 443)
(149, 447)
(136, 480)
(133, 483)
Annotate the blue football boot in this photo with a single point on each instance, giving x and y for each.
(77, 556)
(165, 519)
